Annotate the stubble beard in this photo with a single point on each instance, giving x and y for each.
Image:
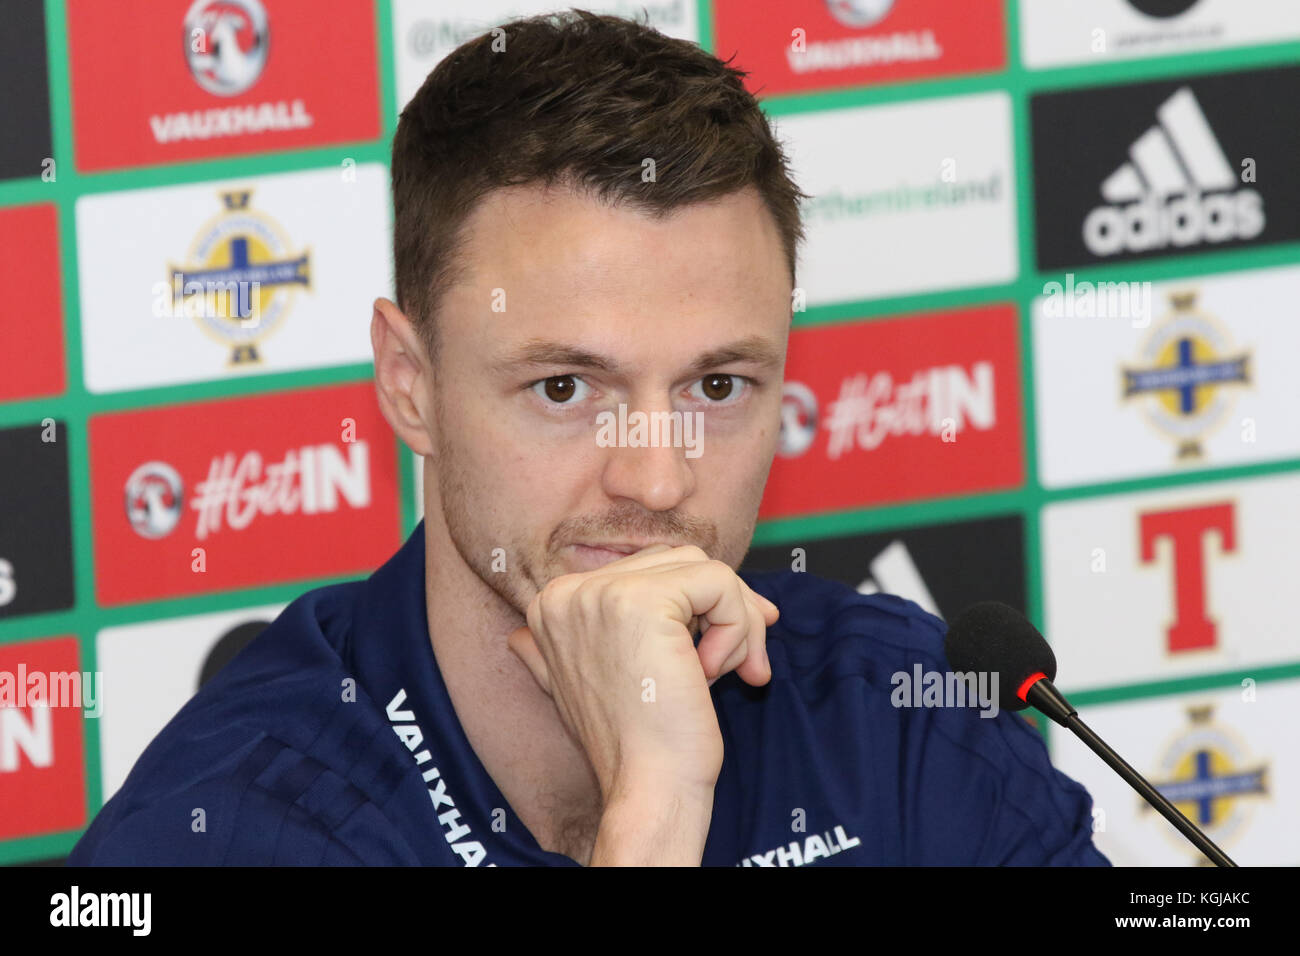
(529, 565)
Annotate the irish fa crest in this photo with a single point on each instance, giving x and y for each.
(1187, 375)
(1207, 773)
(241, 277)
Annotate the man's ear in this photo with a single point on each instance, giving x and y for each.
(403, 376)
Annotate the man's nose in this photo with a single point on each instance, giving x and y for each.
(650, 468)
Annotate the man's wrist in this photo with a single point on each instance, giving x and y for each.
(654, 825)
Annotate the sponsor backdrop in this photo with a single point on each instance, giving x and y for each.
(1045, 351)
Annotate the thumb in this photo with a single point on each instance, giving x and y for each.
(521, 641)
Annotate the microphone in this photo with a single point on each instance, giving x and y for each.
(994, 638)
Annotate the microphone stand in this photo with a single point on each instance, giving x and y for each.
(1052, 703)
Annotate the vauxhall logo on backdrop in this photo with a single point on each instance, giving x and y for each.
(859, 13)
(798, 419)
(210, 78)
(1160, 169)
(226, 48)
(900, 46)
(226, 44)
(823, 44)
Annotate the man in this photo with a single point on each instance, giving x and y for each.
(561, 665)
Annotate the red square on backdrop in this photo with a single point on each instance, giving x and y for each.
(42, 764)
(271, 488)
(894, 410)
(159, 81)
(31, 326)
(797, 46)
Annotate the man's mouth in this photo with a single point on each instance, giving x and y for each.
(598, 554)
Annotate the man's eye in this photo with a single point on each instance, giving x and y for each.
(561, 389)
(721, 389)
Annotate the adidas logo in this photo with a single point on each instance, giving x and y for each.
(1178, 190)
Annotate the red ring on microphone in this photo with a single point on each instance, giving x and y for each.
(1030, 681)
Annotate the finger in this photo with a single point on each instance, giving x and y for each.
(522, 642)
(756, 668)
(660, 558)
(714, 592)
(749, 658)
(655, 556)
(771, 613)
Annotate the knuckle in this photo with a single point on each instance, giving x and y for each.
(619, 593)
(555, 593)
(585, 590)
(718, 566)
(691, 552)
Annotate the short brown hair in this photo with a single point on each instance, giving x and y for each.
(581, 99)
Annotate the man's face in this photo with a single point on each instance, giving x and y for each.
(568, 309)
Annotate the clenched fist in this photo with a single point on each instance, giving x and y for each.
(614, 648)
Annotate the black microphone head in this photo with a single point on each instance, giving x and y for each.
(993, 637)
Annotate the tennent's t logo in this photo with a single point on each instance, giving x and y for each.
(1192, 628)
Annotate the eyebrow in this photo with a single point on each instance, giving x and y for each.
(543, 352)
